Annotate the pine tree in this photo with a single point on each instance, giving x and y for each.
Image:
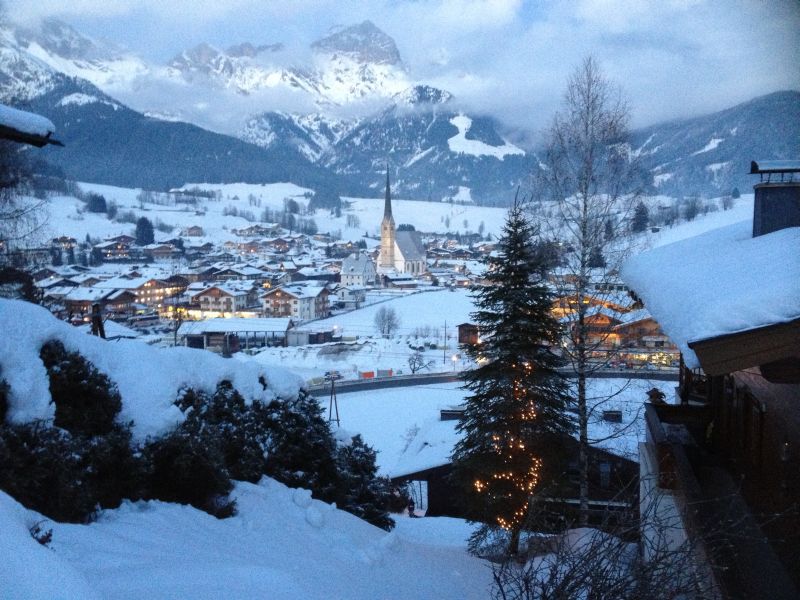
(517, 409)
(144, 231)
(640, 218)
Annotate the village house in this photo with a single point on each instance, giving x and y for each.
(193, 231)
(299, 301)
(148, 291)
(226, 298)
(357, 270)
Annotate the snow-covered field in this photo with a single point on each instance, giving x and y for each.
(359, 216)
(282, 544)
(404, 424)
(365, 214)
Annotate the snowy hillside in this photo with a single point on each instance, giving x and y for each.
(281, 545)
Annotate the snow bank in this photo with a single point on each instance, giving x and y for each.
(148, 378)
(722, 282)
(28, 570)
(282, 544)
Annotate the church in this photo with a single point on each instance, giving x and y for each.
(401, 251)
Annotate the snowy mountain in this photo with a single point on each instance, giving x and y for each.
(68, 51)
(107, 142)
(711, 154)
(434, 150)
(304, 113)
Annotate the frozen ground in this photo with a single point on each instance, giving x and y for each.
(282, 544)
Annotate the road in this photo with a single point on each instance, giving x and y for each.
(359, 385)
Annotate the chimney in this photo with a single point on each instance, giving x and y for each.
(777, 195)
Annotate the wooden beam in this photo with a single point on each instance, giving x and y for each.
(751, 348)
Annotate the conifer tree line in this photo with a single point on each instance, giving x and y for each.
(517, 408)
(85, 458)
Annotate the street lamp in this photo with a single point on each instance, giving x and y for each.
(455, 359)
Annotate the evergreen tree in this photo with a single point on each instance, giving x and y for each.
(517, 408)
(596, 259)
(361, 492)
(640, 218)
(144, 232)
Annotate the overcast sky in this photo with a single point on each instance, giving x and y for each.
(672, 58)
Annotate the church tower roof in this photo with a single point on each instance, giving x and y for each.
(387, 209)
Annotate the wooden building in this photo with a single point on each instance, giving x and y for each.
(725, 461)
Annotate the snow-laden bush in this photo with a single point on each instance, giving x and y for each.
(66, 477)
(361, 491)
(86, 401)
(186, 469)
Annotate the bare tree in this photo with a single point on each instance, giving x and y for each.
(588, 178)
(417, 362)
(21, 215)
(386, 321)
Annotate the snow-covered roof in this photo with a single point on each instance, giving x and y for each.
(718, 283)
(410, 245)
(27, 127)
(267, 325)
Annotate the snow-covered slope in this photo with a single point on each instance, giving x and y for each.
(148, 378)
(282, 544)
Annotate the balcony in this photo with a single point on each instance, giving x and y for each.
(731, 553)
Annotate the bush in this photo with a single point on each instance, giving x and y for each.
(95, 203)
(86, 400)
(361, 492)
(240, 432)
(302, 450)
(185, 469)
(67, 477)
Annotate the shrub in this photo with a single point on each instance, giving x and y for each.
(184, 469)
(302, 449)
(361, 492)
(44, 469)
(86, 400)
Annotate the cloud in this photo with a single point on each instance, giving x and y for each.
(509, 58)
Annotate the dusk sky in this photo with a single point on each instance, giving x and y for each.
(672, 58)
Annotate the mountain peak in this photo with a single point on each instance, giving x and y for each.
(61, 39)
(365, 43)
(422, 94)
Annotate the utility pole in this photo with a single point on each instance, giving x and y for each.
(333, 405)
(444, 345)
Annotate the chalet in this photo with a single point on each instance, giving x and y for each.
(303, 302)
(639, 331)
(161, 252)
(728, 453)
(193, 231)
(238, 273)
(123, 239)
(427, 458)
(321, 276)
(148, 291)
(226, 298)
(114, 250)
(351, 296)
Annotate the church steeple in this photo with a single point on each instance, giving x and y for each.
(387, 208)
(387, 257)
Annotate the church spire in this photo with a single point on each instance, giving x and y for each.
(387, 209)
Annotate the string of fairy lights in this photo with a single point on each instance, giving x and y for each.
(523, 475)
